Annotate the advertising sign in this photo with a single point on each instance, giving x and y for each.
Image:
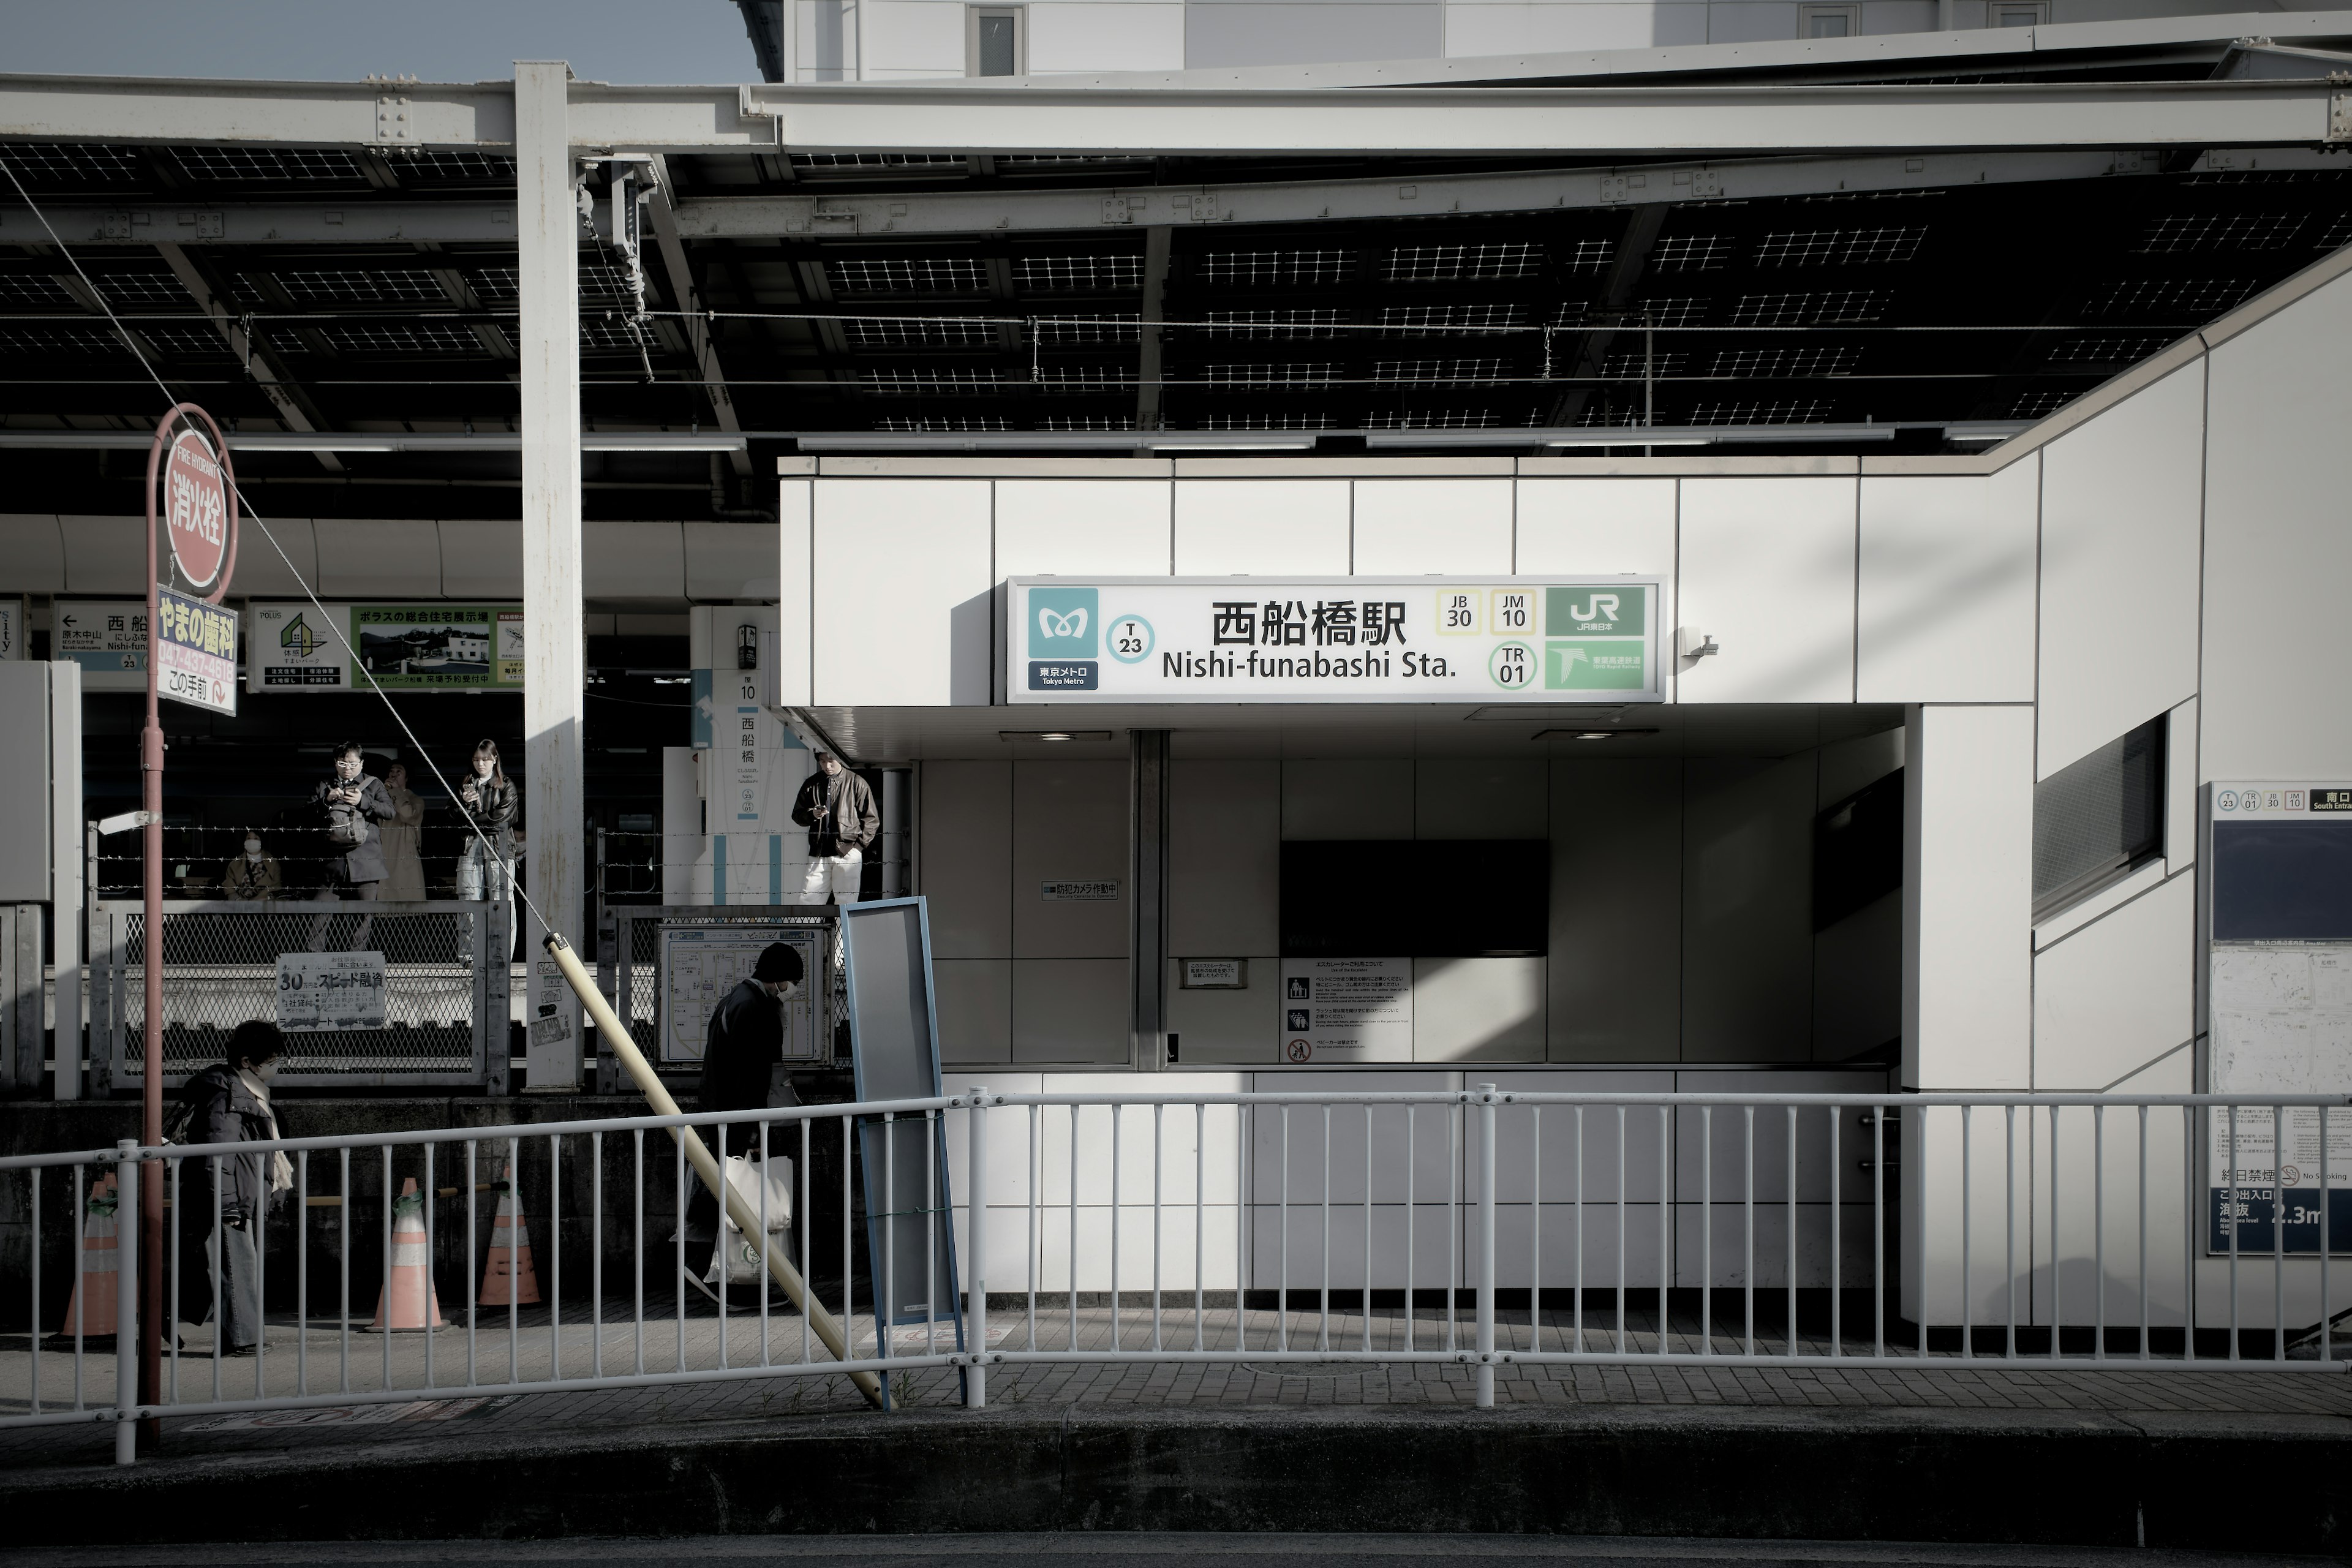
(108, 638)
(195, 506)
(330, 991)
(1346, 1010)
(1334, 639)
(411, 648)
(196, 652)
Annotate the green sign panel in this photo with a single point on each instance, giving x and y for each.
(1589, 665)
(1594, 610)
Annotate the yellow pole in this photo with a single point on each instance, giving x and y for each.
(617, 1041)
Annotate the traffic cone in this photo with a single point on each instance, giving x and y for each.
(93, 1289)
(508, 1277)
(409, 1300)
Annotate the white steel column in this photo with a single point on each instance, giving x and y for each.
(547, 226)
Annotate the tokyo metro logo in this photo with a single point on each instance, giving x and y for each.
(1064, 623)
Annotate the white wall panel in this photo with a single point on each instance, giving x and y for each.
(1968, 889)
(105, 554)
(966, 845)
(1406, 526)
(1488, 29)
(263, 573)
(378, 558)
(2115, 994)
(730, 561)
(1069, 1009)
(1947, 586)
(1106, 528)
(795, 569)
(1069, 824)
(1616, 910)
(1477, 1009)
(32, 553)
(479, 560)
(1240, 1027)
(1346, 799)
(1119, 36)
(1768, 571)
(1567, 526)
(902, 591)
(913, 38)
(1479, 798)
(1267, 527)
(1224, 833)
(632, 560)
(2277, 552)
(1748, 909)
(2120, 517)
(975, 1009)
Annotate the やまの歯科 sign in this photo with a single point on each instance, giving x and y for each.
(1334, 639)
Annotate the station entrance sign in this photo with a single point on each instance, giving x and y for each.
(1334, 639)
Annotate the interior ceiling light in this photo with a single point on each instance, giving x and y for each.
(1591, 735)
(1053, 734)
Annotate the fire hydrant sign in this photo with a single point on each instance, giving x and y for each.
(1334, 639)
(196, 652)
(195, 506)
(330, 991)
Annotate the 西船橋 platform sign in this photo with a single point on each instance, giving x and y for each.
(1334, 639)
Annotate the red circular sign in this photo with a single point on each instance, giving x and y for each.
(195, 506)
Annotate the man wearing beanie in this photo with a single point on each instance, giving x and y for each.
(745, 1043)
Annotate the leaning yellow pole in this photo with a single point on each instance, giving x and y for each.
(747, 1220)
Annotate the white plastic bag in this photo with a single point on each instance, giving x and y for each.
(745, 1264)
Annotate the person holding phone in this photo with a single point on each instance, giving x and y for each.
(351, 803)
(837, 808)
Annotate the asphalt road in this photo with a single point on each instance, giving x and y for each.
(1108, 1551)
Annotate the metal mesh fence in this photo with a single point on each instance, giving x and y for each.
(221, 969)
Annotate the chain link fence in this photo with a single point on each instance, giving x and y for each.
(445, 982)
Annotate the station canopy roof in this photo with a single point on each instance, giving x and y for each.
(1902, 297)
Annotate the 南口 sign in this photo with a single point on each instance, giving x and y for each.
(1333, 639)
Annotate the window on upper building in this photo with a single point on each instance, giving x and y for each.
(1829, 21)
(2017, 12)
(2099, 819)
(994, 44)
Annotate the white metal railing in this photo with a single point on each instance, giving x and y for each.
(1479, 1228)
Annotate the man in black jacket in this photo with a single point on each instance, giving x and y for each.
(837, 808)
(744, 1043)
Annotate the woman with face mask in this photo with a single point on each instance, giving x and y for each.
(254, 874)
(229, 1103)
(486, 799)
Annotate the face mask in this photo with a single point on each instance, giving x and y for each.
(253, 849)
(788, 989)
(267, 1073)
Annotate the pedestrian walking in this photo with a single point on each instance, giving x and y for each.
(229, 1103)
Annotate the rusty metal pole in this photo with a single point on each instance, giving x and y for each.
(151, 1073)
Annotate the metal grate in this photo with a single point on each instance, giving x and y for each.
(1629, 363)
(2096, 819)
(1442, 372)
(446, 166)
(1096, 329)
(904, 331)
(23, 290)
(144, 289)
(71, 164)
(909, 274)
(1767, 363)
(1277, 268)
(1435, 419)
(1693, 253)
(1068, 379)
(1315, 421)
(2196, 231)
(611, 336)
(1272, 323)
(1248, 377)
(1776, 411)
(1876, 247)
(2340, 233)
(1683, 311)
(2109, 348)
(1404, 318)
(1084, 422)
(269, 165)
(353, 286)
(184, 343)
(412, 338)
(2186, 298)
(1108, 274)
(598, 280)
(1465, 263)
(68, 338)
(2039, 402)
(1828, 308)
(938, 424)
(940, 378)
(823, 161)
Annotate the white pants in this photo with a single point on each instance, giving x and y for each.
(842, 871)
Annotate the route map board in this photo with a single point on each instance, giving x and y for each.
(700, 964)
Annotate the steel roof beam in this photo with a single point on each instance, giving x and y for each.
(891, 117)
(1112, 209)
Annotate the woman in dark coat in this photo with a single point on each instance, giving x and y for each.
(229, 1103)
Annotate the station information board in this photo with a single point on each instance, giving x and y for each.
(1334, 639)
(700, 964)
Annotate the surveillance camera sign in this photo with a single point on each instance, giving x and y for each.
(1334, 639)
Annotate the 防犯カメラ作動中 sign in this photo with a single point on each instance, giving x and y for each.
(1334, 639)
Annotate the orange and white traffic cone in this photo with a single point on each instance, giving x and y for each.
(94, 1291)
(508, 1275)
(409, 1300)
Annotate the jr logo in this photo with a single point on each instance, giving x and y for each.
(1064, 623)
(1601, 608)
(1594, 610)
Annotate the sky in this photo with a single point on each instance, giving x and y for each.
(691, 41)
